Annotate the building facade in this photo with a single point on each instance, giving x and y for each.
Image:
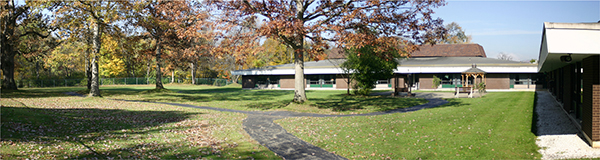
(445, 61)
(569, 59)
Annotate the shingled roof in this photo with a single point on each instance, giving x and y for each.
(450, 50)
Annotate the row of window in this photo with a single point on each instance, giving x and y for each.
(452, 80)
(448, 80)
(311, 80)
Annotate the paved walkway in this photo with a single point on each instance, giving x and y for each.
(260, 126)
(558, 137)
(426, 95)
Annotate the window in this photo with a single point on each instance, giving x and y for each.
(521, 79)
(382, 81)
(321, 81)
(265, 81)
(450, 80)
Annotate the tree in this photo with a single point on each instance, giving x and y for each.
(18, 24)
(295, 21)
(533, 61)
(170, 24)
(88, 19)
(367, 67)
(455, 35)
(504, 56)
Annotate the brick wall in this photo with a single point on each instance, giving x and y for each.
(286, 82)
(497, 81)
(426, 81)
(591, 98)
(401, 82)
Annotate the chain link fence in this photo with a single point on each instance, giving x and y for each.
(30, 83)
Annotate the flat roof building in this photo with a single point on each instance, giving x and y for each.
(446, 61)
(570, 60)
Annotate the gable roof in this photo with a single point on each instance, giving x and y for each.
(450, 50)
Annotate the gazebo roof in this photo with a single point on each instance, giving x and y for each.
(473, 69)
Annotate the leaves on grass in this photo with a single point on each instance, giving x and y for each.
(74, 127)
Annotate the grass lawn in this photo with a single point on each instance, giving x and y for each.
(497, 126)
(46, 124)
(233, 97)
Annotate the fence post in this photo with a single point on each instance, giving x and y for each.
(65, 82)
(54, 82)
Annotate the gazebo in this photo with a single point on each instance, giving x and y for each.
(472, 72)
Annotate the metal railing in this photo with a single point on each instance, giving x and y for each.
(29, 83)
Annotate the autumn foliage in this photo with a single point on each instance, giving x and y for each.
(310, 27)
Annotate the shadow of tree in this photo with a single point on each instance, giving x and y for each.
(346, 103)
(453, 102)
(270, 105)
(223, 95)
(39, 92)
(23, 124)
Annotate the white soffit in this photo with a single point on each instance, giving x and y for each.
(404, 70)
(576, 41)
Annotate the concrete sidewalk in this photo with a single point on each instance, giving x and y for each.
(558, 137)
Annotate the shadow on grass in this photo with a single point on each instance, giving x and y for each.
(20, 123)
(349, 102)
(224, 95)
(39, 92)
(174, 151)
(454, 102)
(269, 105)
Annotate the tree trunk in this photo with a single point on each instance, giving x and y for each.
(88, 70)
(8, 68)
(172, 76)
(348, 85)
(148, 72)
(95, 85)
(193, 68)
(159, 84)
(7, 55)
(37, 69)
(299, 83)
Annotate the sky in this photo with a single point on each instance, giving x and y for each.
(514, 27)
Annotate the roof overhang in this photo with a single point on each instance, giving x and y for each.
(580, 40)
(488, 69)
(399, 70)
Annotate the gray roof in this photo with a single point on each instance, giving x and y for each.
(458, 61)
(429, 61)
(474, 70)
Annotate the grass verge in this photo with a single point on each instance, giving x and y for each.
(497, 126)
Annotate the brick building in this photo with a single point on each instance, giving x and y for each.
(446, 61)
(569, 59)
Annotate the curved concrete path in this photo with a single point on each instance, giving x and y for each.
(260, 126)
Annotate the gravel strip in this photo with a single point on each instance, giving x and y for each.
(558, 137)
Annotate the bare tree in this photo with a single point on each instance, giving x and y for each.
(504, 56)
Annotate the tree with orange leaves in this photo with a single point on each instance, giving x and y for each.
(173, 25)
(400, 25)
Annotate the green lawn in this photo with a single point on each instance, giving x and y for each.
(497, 126)
(233, 97)
(45, 124)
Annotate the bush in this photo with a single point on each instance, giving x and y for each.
(368, 66)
